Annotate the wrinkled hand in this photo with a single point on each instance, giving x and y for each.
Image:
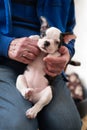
(24, 50)
(55, 65)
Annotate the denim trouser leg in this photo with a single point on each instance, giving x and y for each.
(12, 104)
(61, 113)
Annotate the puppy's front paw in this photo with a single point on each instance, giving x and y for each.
(31, 113)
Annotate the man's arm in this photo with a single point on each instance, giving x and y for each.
(69, 28)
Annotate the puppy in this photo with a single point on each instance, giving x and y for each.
(33, 85)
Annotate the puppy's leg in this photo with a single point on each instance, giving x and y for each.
(21, 85)
(43, 98)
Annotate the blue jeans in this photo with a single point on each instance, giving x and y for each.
(60, 114)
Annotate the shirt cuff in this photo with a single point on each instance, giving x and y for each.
(70, 47)
(4, 44)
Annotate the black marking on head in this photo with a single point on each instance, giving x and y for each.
(44, 26)
(61, 40)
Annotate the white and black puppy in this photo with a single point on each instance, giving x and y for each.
(33, 85)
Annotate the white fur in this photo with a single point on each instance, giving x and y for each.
(32, 84)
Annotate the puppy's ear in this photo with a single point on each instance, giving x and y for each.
(67, 37)
(61, 39)
(44, 26)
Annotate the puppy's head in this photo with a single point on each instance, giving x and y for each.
(51, 37)
(51, 41)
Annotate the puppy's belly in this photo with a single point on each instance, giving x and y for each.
(36, 80)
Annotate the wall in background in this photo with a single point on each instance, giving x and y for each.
(81, 41)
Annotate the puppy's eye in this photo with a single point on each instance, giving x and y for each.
(56, 42)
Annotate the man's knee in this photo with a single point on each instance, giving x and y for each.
(16, 120)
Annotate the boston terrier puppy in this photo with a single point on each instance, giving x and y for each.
(33, 84)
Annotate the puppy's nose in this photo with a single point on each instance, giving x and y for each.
(46, 43)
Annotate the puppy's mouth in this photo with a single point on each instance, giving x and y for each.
(47, 50)
(44, 49)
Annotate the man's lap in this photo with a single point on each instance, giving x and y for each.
(60, 113)
(12, 105)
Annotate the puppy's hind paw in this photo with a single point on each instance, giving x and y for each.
(31, 113)
(28, 93)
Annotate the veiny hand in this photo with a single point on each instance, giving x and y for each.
(24, 50)
(55, 65)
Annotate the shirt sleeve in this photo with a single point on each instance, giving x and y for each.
(5, 40)
(4, 44)
(69, 28)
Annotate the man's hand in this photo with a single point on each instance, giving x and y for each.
(55, 65)
(24, 50)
